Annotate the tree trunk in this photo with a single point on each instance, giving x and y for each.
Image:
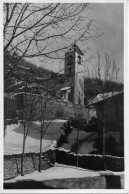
(77, 133)
(77, 143)
(23, 152)
(40, 154)
(103, 140)
(41, 135)
(104, 136)
(24, 135)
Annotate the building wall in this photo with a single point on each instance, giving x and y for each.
(114, 112)
(79, 80)
(114, 118)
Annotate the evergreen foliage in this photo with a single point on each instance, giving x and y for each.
(66, 130)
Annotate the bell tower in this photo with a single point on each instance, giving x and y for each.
(74, 67)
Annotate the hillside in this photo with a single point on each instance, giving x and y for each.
(29, 77)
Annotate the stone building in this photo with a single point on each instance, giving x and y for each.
(74, 67)
(110, 111)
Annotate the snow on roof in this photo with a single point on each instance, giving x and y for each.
(65, 88)
(101, 97)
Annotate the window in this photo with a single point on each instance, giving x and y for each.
(70, 70)
(70, 60)
(79, 60)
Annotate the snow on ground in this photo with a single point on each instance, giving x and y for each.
(55, 121)
(13, 143)
(57, 172)
(13, 140)
(60, 171)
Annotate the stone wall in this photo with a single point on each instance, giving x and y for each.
(90, 161)
(97, 182)
(12, 163)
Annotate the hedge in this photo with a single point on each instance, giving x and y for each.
(90, 161)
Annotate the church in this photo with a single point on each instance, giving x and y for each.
(74, 68)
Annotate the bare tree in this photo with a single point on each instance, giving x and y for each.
(29, 115)
(38, 30)
(76, 117)
(107, 76)
(43, 101)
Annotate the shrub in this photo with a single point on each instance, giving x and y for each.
(66, 130)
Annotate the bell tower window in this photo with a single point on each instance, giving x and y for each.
(70, 60)
(79, 60)
(70, 70)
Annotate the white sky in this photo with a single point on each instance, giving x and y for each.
(109, 18)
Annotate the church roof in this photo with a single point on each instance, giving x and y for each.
(76, 49)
